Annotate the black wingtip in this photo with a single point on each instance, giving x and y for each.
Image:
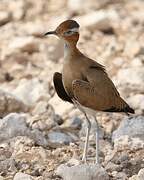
(129, 110)
(58, 84)
(126, 110)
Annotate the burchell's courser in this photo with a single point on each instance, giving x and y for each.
(84, 82)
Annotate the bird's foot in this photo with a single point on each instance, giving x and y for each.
(97, 164)
(84, 160)
(97, 161)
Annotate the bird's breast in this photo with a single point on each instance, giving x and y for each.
(69, 74)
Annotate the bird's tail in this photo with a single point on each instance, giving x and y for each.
(126, 108)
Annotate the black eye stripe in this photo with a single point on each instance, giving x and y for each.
(68, 32)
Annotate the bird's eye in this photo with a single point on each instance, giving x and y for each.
(68, 33)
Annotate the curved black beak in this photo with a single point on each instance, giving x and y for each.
(49, 33)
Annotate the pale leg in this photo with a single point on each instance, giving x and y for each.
(97, 142)
(78, 105)
(84, 158)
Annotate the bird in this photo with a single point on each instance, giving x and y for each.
(84, 82)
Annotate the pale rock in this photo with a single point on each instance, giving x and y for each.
(74, 123)
(30, 91)
(123, 157)
(19, 143)
(34, 29)
(58, 138)
(1, 178)
(42, 122)
(38, 137)
(134, 177)
(24, 44)
(131, 126)
(17, 9)
(22, 176)
(118, 61)
(84, 172)
(7, 162)
(119, 175)
(2, 76)
(126, 143)
(130, 134)
(97, 20)
(132, 77)
(10, 103)
(60, 106)
(5, 153)
(7, 165)
(132, 48)
(136, 62)
(75, 5)
(44, 117)
(114, 173)
(56, 52)
(14, 125)
(140, 175)
(27, 154)
(79, 6)
(141, 51)
(137, 102)
(42, 107)
(73, 162)
(54, 21)
(111, 167)
(5, 17)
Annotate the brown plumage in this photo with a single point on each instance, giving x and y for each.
(87, 81)
(84, 81)
(57, 79)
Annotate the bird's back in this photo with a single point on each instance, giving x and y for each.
(95, 89)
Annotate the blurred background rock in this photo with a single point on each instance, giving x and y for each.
(39, 131)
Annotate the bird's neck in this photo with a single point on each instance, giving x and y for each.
(70, 49)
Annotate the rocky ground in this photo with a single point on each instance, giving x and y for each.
(38, 132)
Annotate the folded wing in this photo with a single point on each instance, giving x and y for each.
(98, 92)
(58, 84)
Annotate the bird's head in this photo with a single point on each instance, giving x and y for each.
(67, 30)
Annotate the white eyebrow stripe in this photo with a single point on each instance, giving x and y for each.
(75, 29)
